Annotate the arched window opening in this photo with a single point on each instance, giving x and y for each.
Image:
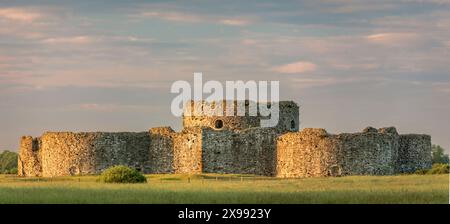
(218, 124)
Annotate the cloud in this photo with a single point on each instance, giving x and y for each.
(251, 42)
(109, 107)
(447, 43)
(172, 16)
(18, 14)
(443, 87)
(92, 106)
(439, 2)
(69, 40)
(359, 66)
(235, 22)
(310, 82)
(105, 77)
(328, 81)
(296, 67)
(362, 7)
(175, 16)
(393, 38)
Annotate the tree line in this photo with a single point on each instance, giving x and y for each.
(8, 162)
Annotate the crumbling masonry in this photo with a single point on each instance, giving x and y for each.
(229, 144)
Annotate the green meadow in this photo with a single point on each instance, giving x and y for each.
(215, 188)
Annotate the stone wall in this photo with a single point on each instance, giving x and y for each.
(251, 151)
(188, 150)
(260, 151)
(196, 117)
(29, 160)
(301, 154)
(161, 155)
(288, 116)
(315, 153)
(414, 153)
(364, 153)
(67, 153)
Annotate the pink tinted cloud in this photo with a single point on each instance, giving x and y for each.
(235, 22)
(110, 107)
(69, 40)
(172, 16)
(443, 87)
(175, 16)
(296, 67)
(393, 38)
(19, 14)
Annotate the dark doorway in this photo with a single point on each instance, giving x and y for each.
(292, 125)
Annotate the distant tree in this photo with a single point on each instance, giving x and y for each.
(438, 155)
(8, 162)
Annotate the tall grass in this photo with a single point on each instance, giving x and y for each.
(228, 189)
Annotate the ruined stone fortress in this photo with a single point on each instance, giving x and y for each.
(229, 144)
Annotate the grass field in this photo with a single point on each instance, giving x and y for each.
(228, 189)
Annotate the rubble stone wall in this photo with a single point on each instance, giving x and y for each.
(67, 153)
(188, 151)
(161, 155)
(315, 153)
(414, 153)
(260, 151)
(29, 160)
(193, 117)
(251, 151)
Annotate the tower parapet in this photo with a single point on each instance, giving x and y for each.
(204, 114)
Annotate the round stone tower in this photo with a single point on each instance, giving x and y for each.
(205, 114)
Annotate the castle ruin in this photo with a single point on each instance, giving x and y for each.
(228, 144)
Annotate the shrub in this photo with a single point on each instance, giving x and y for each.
(122, 174)
(421, 172)
(437, 168)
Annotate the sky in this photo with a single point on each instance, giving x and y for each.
(108, 65)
